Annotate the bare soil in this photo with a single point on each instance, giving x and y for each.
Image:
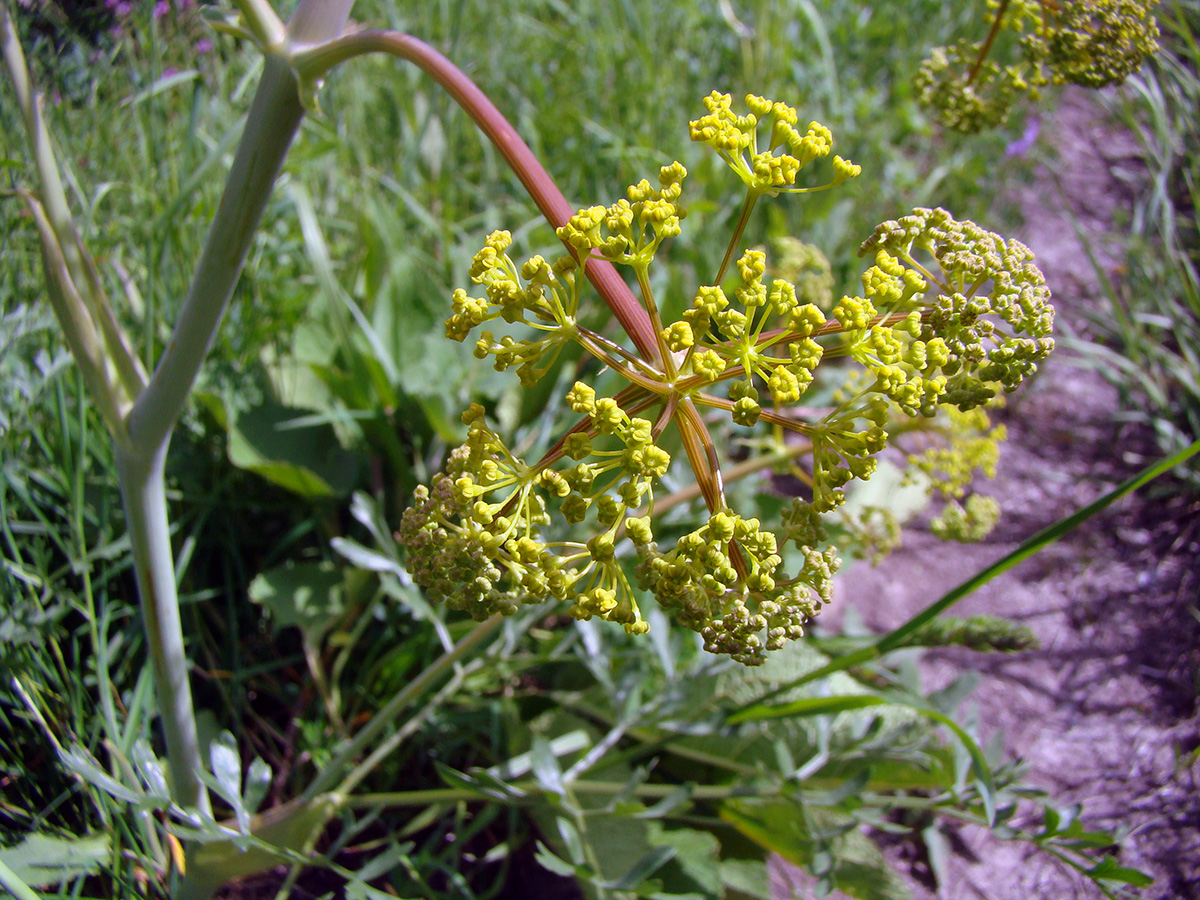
(1105, 712)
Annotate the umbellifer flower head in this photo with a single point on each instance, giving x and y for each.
(949, 315)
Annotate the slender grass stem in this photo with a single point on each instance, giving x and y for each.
(339, 770)
(895, 638)
(743, 218)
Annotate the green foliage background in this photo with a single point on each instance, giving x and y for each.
(335, 330)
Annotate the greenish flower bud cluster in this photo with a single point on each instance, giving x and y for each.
(1100, 42)
(701, 583)
(475, 536)
(981, 633)
(1093, 43)
(873, 532)
(969, 443)
(986, 320)
(950, 314)
(807, 268)
(968, 522)
(970, 99)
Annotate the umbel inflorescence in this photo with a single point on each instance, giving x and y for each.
(949, 316)
(1093, 43)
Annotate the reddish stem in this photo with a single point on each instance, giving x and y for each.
(520, 158)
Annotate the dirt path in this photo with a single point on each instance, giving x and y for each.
(1105, 712)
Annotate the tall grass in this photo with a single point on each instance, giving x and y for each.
(1152, 323)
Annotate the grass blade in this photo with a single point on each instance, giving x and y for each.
(896, 638)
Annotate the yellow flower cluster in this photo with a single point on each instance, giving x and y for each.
(949, 315)
(1093, 43)
(769, 169)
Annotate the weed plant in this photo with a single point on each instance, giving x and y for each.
(626, 765)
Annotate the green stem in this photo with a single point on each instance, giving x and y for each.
(274, 118)
(578, 786)
(15, 886)
(747, 208)
(143, 490)
(336, 770)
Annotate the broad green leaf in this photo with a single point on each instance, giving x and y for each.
(307, 460)
(43, 860)
(309, 595)
(817, 841)
(646, 866)
(745, 879)
(695, 866)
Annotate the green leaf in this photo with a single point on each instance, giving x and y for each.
(43, 860)
(80, 762)
(938, 849)
(745, 879)
(1108, 870)
(642, 869)
(227, 777)
(552, 863)
(309, 595)
(818, 841)
(306, 460)
(694, 868)
(545, 766)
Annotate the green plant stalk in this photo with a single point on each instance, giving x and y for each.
(15, 886)
(272, 123)
(143, 492)
(338, 770)
(578, 785)
(141, 429)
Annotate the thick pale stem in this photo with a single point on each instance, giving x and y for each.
(274, 118)
(144, 495)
